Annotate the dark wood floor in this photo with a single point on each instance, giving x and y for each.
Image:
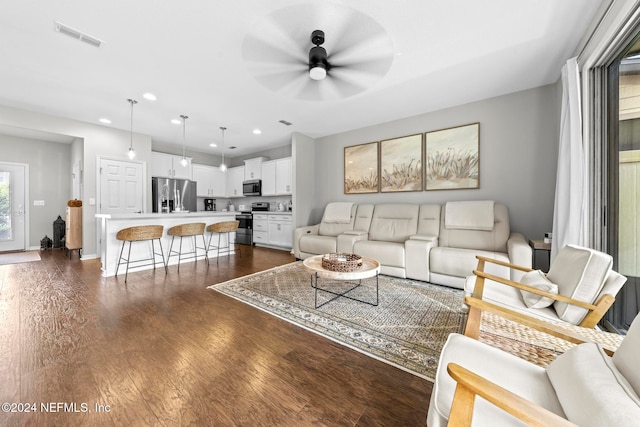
(164, 350)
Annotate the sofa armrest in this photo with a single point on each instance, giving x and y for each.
(347, 239)
(302, 231)
(417, 253)
(520, 253)
(425, 237)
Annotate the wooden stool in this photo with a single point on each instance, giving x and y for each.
(221, 228)
(187, 230)
(140, 234)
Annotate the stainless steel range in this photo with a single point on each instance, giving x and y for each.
(244, 235)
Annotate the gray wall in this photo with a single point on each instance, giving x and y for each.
(49, 180)
(518, 156)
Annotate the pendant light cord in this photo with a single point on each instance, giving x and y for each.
(184, 138)
(131, 151)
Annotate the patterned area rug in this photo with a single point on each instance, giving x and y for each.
(407, 329)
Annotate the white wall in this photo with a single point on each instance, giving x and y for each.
(49, 180)
(518, 157)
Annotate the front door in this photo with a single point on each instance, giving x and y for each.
(121, 186)
(13, 222)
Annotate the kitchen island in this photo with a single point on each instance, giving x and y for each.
(109, 247)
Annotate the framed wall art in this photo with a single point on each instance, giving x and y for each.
(361, 168)
(453, 158)
(401, 164)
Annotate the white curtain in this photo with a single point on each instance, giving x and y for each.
(569, 225)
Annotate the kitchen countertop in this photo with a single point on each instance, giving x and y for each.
(166, 215)
(272, 213)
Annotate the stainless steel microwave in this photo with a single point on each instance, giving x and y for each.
(252, 187)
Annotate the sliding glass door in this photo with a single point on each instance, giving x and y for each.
(623, 181)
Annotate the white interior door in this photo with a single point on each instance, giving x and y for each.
(121, 186)
(13, 221)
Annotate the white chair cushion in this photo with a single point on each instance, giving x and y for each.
(537, 279)
(517, 375)
(591, 390)
(627, 355)
(579, 273)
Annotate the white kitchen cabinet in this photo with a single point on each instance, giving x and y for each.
(260, 229)
(276, 177)
(169, 166)
(284, 176)
(269, 178)
(253, 168)
(210, 180)
(235, 176)
(280, 231)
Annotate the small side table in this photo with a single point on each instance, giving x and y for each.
(540, 245)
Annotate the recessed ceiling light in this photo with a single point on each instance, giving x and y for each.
(149, 96)
(176, 122)
(105, 121)
(257, 131)
(213, 145)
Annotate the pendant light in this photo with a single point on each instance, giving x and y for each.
(223, 167)
(184, 118)
(132, 152)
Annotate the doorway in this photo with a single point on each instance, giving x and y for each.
(623, 181)
(121, 186)
(14, 215)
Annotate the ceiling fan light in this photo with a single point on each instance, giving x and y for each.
(318, 72)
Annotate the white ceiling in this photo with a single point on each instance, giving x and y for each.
(240, 64)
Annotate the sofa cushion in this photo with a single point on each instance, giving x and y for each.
(487, 240)
(537, 279)
(469, 215)
(591, 390)
(580, 274)
(334, 227)
(386, 253)
(462, 262)
(314, 244)
(394, 222)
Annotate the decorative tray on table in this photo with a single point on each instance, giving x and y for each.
(342, 262)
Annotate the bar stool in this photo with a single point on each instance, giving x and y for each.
(221, 228)
(140, 233)
(187, 230)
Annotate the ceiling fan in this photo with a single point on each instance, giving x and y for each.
(355, 55)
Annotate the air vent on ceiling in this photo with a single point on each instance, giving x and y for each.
(78, 35)
(284, 122)
(233, 147)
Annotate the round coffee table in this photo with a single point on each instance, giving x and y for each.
(370, 268)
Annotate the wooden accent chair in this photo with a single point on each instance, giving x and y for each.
(187, 230)
(579, 289)
(142, 233)
(220, 228)
(584, 386)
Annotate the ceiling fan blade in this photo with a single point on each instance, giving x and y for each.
(255, 49)
(279, 81)
(375, 66)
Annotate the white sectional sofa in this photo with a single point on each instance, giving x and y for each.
(429, 242)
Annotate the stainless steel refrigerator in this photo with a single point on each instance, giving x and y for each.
(173, 195)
